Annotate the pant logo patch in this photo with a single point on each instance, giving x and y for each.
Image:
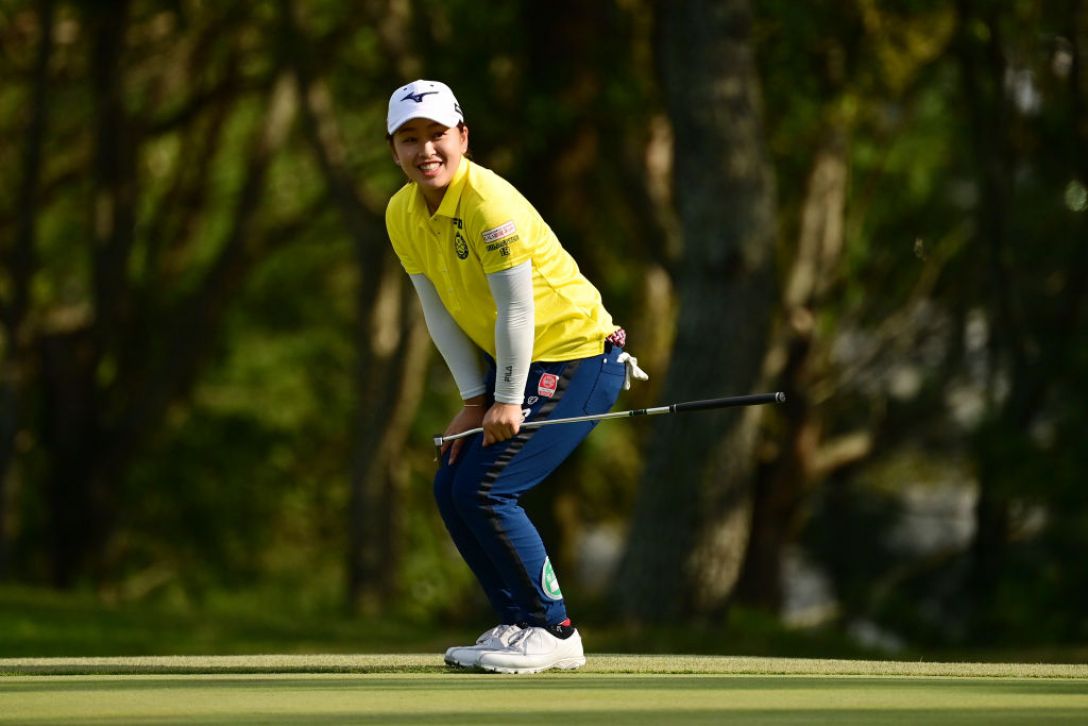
(549, 583)
(547, 385)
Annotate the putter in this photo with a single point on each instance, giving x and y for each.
(754, 399)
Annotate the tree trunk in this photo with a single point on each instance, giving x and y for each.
(95, 424)
(392, 347)
(691, 521)
(983, 68)
(70, 433)
(79, 498)
(783, 483)
(1032, 361)
(15, 365)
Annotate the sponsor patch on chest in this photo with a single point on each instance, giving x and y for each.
(545, 388)
(503, 230)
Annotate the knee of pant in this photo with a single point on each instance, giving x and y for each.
(469, 496)
(443, 489)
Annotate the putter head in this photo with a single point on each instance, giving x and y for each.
(780, 397)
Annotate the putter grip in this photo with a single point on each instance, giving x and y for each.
(753, 400)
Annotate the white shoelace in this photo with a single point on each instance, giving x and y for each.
(520, 637)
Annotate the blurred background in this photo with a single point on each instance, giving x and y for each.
(217, 394)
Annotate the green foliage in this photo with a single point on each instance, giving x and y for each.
(237, 475)
(42, 623)
(935, 241)
(38, 623)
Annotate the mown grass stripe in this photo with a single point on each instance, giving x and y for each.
(601, 664)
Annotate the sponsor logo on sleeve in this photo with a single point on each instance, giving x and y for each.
(502, 244)
(503, 230)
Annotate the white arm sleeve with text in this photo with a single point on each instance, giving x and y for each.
(461, 355)
(512, 290)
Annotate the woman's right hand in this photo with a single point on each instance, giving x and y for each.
(469, 417)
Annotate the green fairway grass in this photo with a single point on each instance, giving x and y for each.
(394, 664)
(395, 689)
(351, 682)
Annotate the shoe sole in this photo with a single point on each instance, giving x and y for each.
(567, 664)
(454, 663)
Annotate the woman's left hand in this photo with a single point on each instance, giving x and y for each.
(469, 417)
(501, 422)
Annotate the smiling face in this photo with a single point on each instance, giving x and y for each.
(429, 154)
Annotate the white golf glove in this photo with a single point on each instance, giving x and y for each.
(631, 370)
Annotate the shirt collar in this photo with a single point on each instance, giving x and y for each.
(452, 197)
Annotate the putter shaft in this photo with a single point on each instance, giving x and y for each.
(729, 402)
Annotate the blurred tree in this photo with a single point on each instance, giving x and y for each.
(691, 521)
(1033, 325)
(110, 379)
(19, 262)
(961, 368)
(211, 369)
(824, 93)
(392, 341)
(130, 329)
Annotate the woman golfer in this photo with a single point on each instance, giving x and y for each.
(525, 337)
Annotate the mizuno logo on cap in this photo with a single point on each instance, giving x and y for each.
(418, 97)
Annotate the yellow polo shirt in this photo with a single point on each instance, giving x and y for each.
(485, 225)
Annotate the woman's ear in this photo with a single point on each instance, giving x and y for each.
(393, 151)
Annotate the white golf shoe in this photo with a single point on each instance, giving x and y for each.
(534, 650)
(465, 656)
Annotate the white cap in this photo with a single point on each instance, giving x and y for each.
(423, 99)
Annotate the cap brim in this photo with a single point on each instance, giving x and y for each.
(451, 120)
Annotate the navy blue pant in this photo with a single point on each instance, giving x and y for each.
(478, 495)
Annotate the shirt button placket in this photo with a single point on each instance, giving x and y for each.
(443, 265)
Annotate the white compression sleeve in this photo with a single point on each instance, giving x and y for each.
(514, 330)
(461, 355)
